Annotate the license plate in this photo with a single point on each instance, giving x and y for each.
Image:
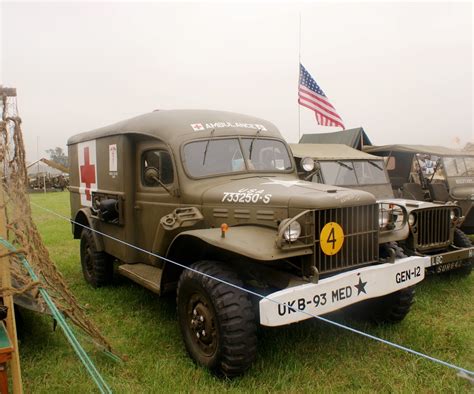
(300, 302)
(454, 256)
(440, 268)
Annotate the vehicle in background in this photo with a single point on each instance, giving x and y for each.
(431, 173)
(433, 227)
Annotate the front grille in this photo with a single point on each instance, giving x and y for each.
(433, 227)
(360, 247)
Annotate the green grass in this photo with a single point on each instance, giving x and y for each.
(307, 357)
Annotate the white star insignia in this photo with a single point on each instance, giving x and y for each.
(283, 183)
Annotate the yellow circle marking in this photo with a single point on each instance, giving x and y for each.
(331, 238)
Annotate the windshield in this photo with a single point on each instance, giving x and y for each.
(229, 155)
(459, 166)
(357, 172)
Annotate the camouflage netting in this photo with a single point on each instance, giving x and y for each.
(22, 232)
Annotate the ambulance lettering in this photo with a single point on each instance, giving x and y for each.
(223, 125)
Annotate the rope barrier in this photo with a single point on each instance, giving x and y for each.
(462, 372)
(83, 356)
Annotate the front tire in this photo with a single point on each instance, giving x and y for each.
(461, 240)
(217, 321)
(97, 267)
(393, 307)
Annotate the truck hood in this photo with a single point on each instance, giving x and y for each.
(412, 205)
(464, 192)
(283, 192)
(379, 191)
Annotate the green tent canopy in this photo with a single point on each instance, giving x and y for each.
(355, 138)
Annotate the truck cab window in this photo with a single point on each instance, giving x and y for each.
(159, 160)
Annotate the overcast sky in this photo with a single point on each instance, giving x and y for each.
(403, 71)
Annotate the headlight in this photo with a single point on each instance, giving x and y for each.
(292, 231)
(411, 219)
(391, 216)
(452, 214)
(384, 218)
(307, 164)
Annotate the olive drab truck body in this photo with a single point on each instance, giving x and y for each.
(218, 192)
(432, 226)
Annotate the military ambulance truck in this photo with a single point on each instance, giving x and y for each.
(433, 227)
(205, 203)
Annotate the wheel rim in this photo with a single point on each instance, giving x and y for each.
(202, 324)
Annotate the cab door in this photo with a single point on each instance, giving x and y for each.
(156, 193)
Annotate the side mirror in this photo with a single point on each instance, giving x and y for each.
(316, 168)
(307, 164)
(152, 176)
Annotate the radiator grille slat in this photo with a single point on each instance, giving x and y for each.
(433, 227)
(360, 247)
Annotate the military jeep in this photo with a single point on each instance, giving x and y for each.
(207, 203)
(431, 173)
(433, 227)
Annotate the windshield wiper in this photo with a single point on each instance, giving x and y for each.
(251, 144)
(374, 163)
(344, 165)
(207, 146)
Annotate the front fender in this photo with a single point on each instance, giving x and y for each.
(83, 220)
(254, 242)
(411, 205)
(394, 235)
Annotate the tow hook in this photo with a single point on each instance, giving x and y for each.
(391, 258)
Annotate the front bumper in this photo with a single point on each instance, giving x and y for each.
(299, 303)
(448, 261)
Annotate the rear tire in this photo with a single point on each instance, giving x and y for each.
(393, 307)
(217, 321)
(461, 240)
(97, 267)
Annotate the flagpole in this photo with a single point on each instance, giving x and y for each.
(299, 67)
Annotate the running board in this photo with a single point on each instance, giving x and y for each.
(146, 275)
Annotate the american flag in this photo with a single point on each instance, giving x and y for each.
(311, 96)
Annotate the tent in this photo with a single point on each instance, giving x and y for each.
(355, 138)
(44, 166)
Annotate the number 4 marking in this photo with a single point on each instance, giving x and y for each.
(332, 238)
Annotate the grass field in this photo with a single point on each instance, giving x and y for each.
(308, 357)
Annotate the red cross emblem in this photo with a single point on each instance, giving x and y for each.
(87, 173)
(197, 126)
